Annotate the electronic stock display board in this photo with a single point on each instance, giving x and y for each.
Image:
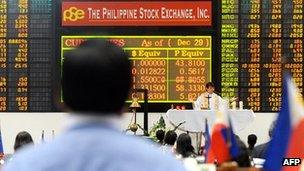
(34, 34)
(260, 39)
(242, 45)
(173, 68)
(172, 63)
(26, 55)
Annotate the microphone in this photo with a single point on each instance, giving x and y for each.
(42, 136)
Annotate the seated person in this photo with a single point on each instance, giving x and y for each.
(243, 159)
(184, 148)
(208, 100)
(169, 141)
(260, 150)
(160, 134)
(22, 139)
(251, 140)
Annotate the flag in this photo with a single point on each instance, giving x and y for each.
(207, 140)
(223, 146)
(1, 146)
(288, 134)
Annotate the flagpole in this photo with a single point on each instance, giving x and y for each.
(207, 140)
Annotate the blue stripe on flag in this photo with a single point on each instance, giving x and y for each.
(278, 145)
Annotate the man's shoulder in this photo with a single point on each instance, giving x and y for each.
(203, 95)
(123, 149)
(216, 95)
(142, 151)
(261, 146)
(259, 150)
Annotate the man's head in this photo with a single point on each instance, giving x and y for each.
(160, 134)
(210, 87)
(96, 78)
(251, 140)
(170, 138)
(22, 139)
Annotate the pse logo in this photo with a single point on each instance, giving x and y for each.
(73, 14)
(291, 162)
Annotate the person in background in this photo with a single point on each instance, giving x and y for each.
(243, 159)
(22, 139)
(184, 146)
(169, 141)
(208, 100)
(96, 80)
(251, 140)
(160, 134)
(259, 151)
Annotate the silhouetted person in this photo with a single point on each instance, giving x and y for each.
(184, 146)
(22, 139)
(251, 140)
(170, 138)
(259, 151)
(160, 135)
(96, 80)
(169, 141)
(243, 159)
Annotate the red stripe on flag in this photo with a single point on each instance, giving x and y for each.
(296, 146)
(219, 149)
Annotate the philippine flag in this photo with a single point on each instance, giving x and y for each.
(207, 140)
(288, 134)
(223, 146)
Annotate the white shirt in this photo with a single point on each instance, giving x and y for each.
(202, 101)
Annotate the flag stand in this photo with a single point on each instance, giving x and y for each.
(198, 141)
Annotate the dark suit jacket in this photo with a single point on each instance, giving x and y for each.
(259, 151)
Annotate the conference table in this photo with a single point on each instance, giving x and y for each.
(194, 120)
